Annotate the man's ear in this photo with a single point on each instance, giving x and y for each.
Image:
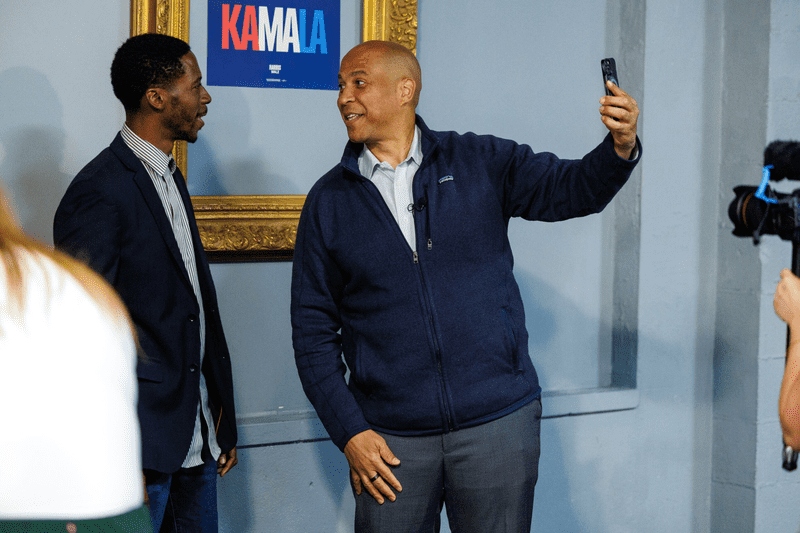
(156, 98)
(407, 88)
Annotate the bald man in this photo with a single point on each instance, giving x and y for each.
(403, 266)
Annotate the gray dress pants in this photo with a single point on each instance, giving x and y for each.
(483, 476)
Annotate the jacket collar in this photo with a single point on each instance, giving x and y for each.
(145, 184)
(428, 139)
(126, 155)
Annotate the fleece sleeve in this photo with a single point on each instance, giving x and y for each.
(540, 186)
(317, 287)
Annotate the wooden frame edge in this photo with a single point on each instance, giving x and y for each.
(248, 228)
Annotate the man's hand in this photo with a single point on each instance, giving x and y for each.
(226, 461)
(368, 455)
(787, 299)
(622, 107)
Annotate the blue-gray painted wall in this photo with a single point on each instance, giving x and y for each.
(695, 446)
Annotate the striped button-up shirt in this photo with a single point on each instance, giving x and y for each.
(160, 167)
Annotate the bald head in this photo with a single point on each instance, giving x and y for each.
(397, 60)
(379, 85)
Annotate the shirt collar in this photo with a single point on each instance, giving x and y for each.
(367, 162)
(147, 152)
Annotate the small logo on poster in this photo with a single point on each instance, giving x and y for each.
(249, 44)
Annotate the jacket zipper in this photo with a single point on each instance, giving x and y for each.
(436, 350)
(427, 218)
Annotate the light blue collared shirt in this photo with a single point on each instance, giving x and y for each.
(396, 184)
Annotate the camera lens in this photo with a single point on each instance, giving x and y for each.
(746, 211)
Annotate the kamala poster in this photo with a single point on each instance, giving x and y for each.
(291, 44)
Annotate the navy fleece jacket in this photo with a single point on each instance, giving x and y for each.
(434, 338)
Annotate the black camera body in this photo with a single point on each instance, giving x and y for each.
(754, 217)
(757, 211)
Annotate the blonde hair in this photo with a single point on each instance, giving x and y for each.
(14, 243)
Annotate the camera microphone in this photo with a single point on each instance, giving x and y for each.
(784, 157)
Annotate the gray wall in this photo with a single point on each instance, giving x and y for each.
(749, 488)
(651, 325)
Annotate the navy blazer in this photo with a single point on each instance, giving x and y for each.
(112, 218)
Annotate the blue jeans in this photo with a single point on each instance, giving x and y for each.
(483, 476)
(185, 501)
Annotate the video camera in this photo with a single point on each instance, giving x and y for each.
(757, 211)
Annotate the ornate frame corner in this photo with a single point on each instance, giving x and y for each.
(390, 20)
(260, 227)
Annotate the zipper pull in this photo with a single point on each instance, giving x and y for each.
(416, 258)
(430, 244)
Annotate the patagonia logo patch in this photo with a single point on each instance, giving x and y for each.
(446, 178)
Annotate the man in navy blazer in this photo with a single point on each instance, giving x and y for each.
(129, 216)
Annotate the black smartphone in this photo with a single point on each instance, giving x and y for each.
(609, 67)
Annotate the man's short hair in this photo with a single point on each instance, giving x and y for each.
(145, 61)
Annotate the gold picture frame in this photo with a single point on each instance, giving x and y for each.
(260, 227)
